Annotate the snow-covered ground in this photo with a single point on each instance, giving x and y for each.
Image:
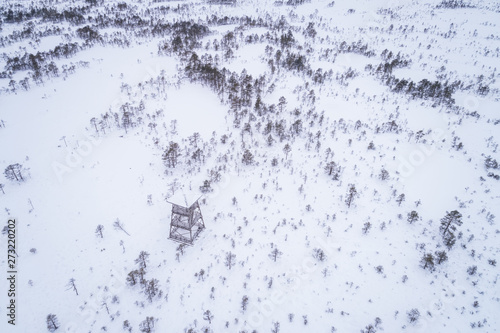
(310, 158)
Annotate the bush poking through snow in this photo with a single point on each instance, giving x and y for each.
(319, 254)
(413, 217)
(413, 316)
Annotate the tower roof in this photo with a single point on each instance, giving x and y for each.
(183, 198)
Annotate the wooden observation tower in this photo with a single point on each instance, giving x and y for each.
(186, 222)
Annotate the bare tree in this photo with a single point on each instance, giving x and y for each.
(120, 226)
(105, 304)
(282, 103)
(275, 254)
(287, 149)
(207, 315)
(143, 259)
(276, 327)
(230, 259)
(180, 251)
(400, 199)
(152, 289)
(244, 303)
(98, 230)
(127, 326)
(93, 122)
(72, 285)
(148, 325)
(366, 227)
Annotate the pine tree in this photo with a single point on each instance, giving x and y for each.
(230, 258)
(413, 217)
(98, 230)
(384, 174)
(413, 315)
(319, 254)
(143, 259)
(450, 222)
(147, 326)
(270, 140)
(351, 194)
(366, 227)
(247, 157)
(400, 199)
(52, 322)
(171, 155)
(151, 289)
(14, 172)
(427, 261)
(441, 256)
(72, 285)
(287, 149)
(275, 254)
(207, 315)
(449, 240)
(244, 303)
(448, 226)
(276, 327)
(330, 168)
(132, 278)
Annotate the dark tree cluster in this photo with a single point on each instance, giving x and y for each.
(452, 4)
(296, 2)
(355, 47)
(388, 127)
(29, 31)
(206, 73)
(73, 15)
(185, 36)
(333, 170)
(429, 260)
(150, 288)
(89, 34)
(39, 64)
(294, 61)
(245, 21)
(222, 2)
(491, 163)
(424, 89)
(126, 117)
